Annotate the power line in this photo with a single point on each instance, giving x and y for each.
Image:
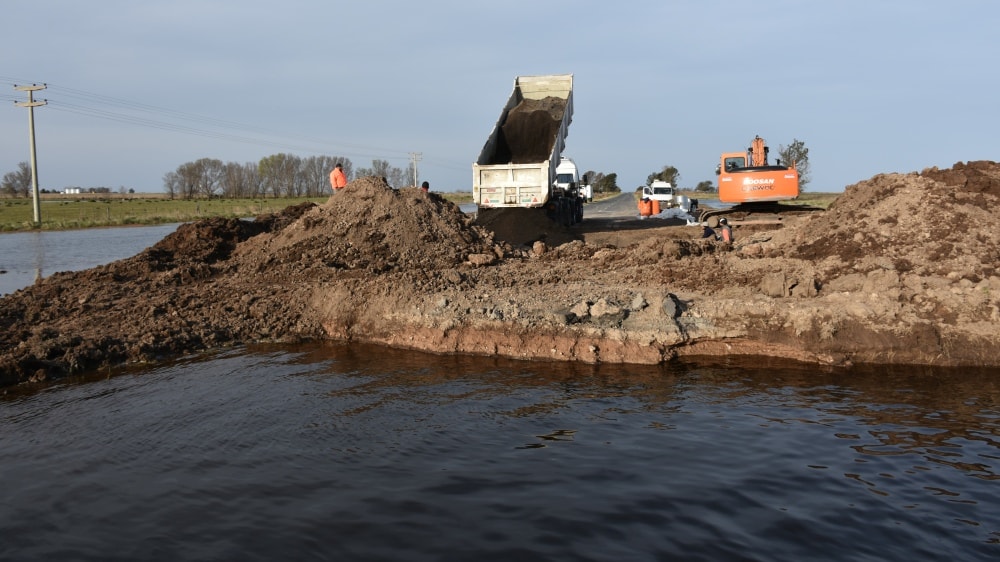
(135, 113)
(109, 108)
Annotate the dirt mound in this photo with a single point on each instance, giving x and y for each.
(933, 222)
(370, 226)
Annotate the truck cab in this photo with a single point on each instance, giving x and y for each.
(569, 207)
(567, 175)
(660, 191)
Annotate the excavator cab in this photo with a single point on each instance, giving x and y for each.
(731, 163)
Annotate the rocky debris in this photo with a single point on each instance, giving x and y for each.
(900, 270)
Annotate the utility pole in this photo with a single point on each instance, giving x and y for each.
(31, 104)
(414, 158)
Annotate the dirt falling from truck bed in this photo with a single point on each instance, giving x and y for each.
(530, 131)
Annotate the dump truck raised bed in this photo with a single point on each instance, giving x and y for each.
(517, 166)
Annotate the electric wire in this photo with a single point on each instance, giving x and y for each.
(100, 106)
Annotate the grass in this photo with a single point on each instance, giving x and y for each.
(72, 212)
(67, 212)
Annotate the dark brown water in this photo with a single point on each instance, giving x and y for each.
(331, 452)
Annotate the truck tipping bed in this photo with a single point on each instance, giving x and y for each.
(517, 165)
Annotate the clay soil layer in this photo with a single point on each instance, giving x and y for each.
(900, 270)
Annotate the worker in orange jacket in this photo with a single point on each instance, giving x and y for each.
(337, 178)
(725, 231)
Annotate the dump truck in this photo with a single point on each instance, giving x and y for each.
(517, 167)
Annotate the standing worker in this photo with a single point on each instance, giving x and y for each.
(425, 187)
(337, 178)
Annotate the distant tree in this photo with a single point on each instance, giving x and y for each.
(172, 184)
(606, 183)
(398, 177)
(236, 182)
(380, 168)
(18, 182)
(705, 186)
(797, 153)
(667, 174)
(316, 175)
(410, 175)
(252, 183)
(195, 179)
(212, 171)
(278, 173)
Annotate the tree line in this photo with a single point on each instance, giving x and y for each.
(277, 175)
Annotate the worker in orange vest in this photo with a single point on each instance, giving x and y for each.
(645, 208)
(337, 178)
(725, 231)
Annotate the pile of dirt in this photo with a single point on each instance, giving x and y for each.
(370, 226)
(930, 223)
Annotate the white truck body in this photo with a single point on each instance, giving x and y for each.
(498, 181)
(567, 175)
(668, 197)
(660, 191)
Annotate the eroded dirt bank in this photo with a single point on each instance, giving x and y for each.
(900, 270)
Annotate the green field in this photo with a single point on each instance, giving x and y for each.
(61, 212)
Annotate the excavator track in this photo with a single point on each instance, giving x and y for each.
(755, 213)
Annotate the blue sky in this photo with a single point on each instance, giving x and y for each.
(138, 88)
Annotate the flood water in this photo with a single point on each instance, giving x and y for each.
(28, 256)
(353, 452)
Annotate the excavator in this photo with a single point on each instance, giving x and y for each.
(753, 187)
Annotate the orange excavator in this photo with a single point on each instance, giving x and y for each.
(753, 187)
